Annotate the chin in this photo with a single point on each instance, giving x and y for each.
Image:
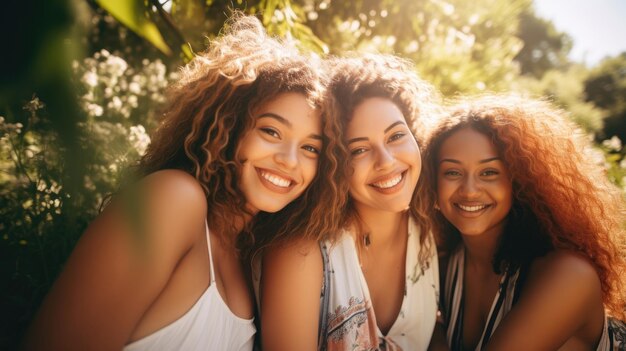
(270, 206)
(470, 231)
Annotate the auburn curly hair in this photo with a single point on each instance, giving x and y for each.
(562, 198)
(355, 79)
(210, 110)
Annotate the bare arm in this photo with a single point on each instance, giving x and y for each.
(290, 297)
(562, 301)
(117, 270)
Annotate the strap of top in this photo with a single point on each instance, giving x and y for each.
(324, 300)
(208, 242)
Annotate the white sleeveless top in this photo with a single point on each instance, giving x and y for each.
(208, 325)
(351, 319)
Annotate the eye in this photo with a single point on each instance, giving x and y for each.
(451, 173)
(357, 151)
(489, 173)
(396, 136)
(312, 149)
(270, 131)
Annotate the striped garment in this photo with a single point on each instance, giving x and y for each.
(507, 295)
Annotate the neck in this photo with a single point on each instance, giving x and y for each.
(382, 227)
(481, 249)
(234, 226)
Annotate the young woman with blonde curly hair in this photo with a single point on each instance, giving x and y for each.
(378, 276)
(530, 228)
(160, 268)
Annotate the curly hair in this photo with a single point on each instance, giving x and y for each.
(210, 110)
(355, 79)
(561, 198)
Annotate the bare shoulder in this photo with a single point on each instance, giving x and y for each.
(296, 251)
(169, 199)
(121, 264)
(175, 187)
(566, 267)
(291, 284)
(560, 305)
(300, 260)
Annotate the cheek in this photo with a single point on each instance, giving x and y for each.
(507, 196)
(358, 171)
(246, 145)
(409, 154)
(309, 169)
(443, 191)
(418, 164)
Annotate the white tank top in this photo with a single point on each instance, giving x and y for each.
(208, 325)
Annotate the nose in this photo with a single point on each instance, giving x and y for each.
(287, 156)
(469, 187)
(384, 158)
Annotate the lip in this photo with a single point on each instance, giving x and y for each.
(387, 178)
(263, 172)
(471, 209)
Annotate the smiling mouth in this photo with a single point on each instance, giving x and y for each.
(389, 183)
(474, 208)
(275, 179)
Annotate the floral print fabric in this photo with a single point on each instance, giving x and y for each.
(351, 320)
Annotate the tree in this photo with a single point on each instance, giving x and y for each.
(460, 46)
(606, 88)
(544, 48)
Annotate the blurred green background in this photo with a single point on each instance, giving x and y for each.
(82, 82)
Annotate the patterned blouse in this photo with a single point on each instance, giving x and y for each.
(351, 320)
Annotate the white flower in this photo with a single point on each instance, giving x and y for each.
(614, 144)
(116, 103)
(134, 87)
(139, 139)
(132, 101)
(90, 78)
(117, 65)
(95, 110)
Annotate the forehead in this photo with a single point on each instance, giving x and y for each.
(373, 115)
(467, 145)
(295, 109)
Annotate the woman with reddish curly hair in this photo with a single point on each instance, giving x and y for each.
(161, 267)
(530, 229)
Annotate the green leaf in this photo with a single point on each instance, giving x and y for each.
(187, 52)
(131, 14)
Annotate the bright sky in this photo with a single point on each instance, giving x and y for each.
(598, 27)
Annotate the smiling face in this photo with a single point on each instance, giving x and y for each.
(474, 188)
(386, 160)
(280, 153)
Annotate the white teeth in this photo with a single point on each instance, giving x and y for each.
(276, 180)
(472, 208)
(388, 183)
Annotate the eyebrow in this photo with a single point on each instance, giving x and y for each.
(353, 140)
(287, 123)
(481, 161)
(280, 119)
(393, 125)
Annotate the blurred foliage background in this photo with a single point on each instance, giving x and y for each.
(82, 82)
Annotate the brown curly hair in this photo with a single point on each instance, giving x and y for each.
(355, 79)
(562, 198)
(210, 111)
